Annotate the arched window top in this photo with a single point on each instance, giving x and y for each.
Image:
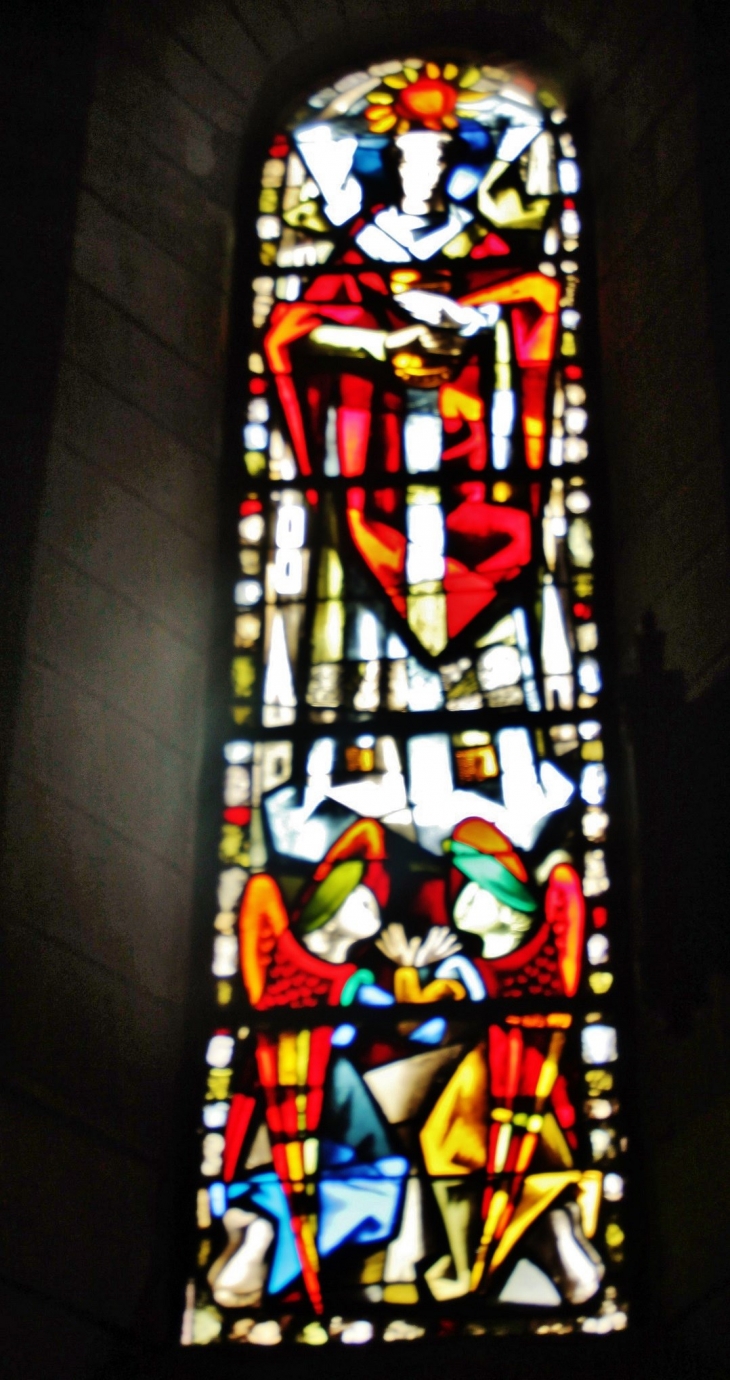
(405, 138)
(411, 1114)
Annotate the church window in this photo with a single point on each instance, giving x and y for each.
(411, 1125)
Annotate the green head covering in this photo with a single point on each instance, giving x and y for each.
(330, 895)
(490, 874)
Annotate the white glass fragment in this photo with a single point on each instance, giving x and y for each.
(237, 786)
(541, 167)
(213, 1147)
(613, 1188)
(528, 1284)
(426, 541)
(238, 751)
(595, 877)
(357, 1333)
(329, 156)
(597, 949)
(408, 1247)
(586, 635)
(268, 227)
(532, 696)
(251, 528)
(215, 1115)
(365, 638)
(528, 801)
(290, 526)
(331, 453)
(230, 887)
(367, 696)
(276, 764)
(412, 233)
(463, 182)
(423, 441)
(279, 693)
(589, 675)
(598, 1044)
(395, 648)
(503, 412)
(599, 1108)
(601, 1138)
(247, 592)
(593, 783)
(595, 824)
(225, 955)
(425, 690)
(376, 244)
(575, 449)
(288, 572)
(498, 666)
(576, 419)
(289, 287)
(570, 223)
(265, 1333)
(501, 452)
(577, 501)
(515, 140)
(220, 1051)
(568, 176)
(557, 662)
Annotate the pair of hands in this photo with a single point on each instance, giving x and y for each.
(435, 309)
(438, 944)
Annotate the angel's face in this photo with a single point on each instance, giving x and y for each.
(500, 928)
(422, 163)
(358, 917)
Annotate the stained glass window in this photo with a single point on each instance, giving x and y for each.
(411, 1126)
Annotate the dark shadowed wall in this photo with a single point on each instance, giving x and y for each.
(134, 127)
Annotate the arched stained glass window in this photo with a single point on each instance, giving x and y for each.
(411, 1123)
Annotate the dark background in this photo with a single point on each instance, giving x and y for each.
(128, 129)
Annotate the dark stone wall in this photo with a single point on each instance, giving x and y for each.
(135, 126)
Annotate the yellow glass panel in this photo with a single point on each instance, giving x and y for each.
(288, 1059)
(427, 620)
(454, 1138)
(328, 631)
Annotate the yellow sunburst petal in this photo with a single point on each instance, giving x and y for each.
(397, 82)
(380, 98)
(410, 74)
(450, 122)
(384, 123)
(403, 126)
(450, 71)
(432, 70)
(468, 77)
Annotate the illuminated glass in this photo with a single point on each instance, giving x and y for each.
(411, 1126)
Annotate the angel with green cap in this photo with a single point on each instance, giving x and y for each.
(523, 951)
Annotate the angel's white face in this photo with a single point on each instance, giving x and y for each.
(357, 918)
(422, 163)
(500, 928)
